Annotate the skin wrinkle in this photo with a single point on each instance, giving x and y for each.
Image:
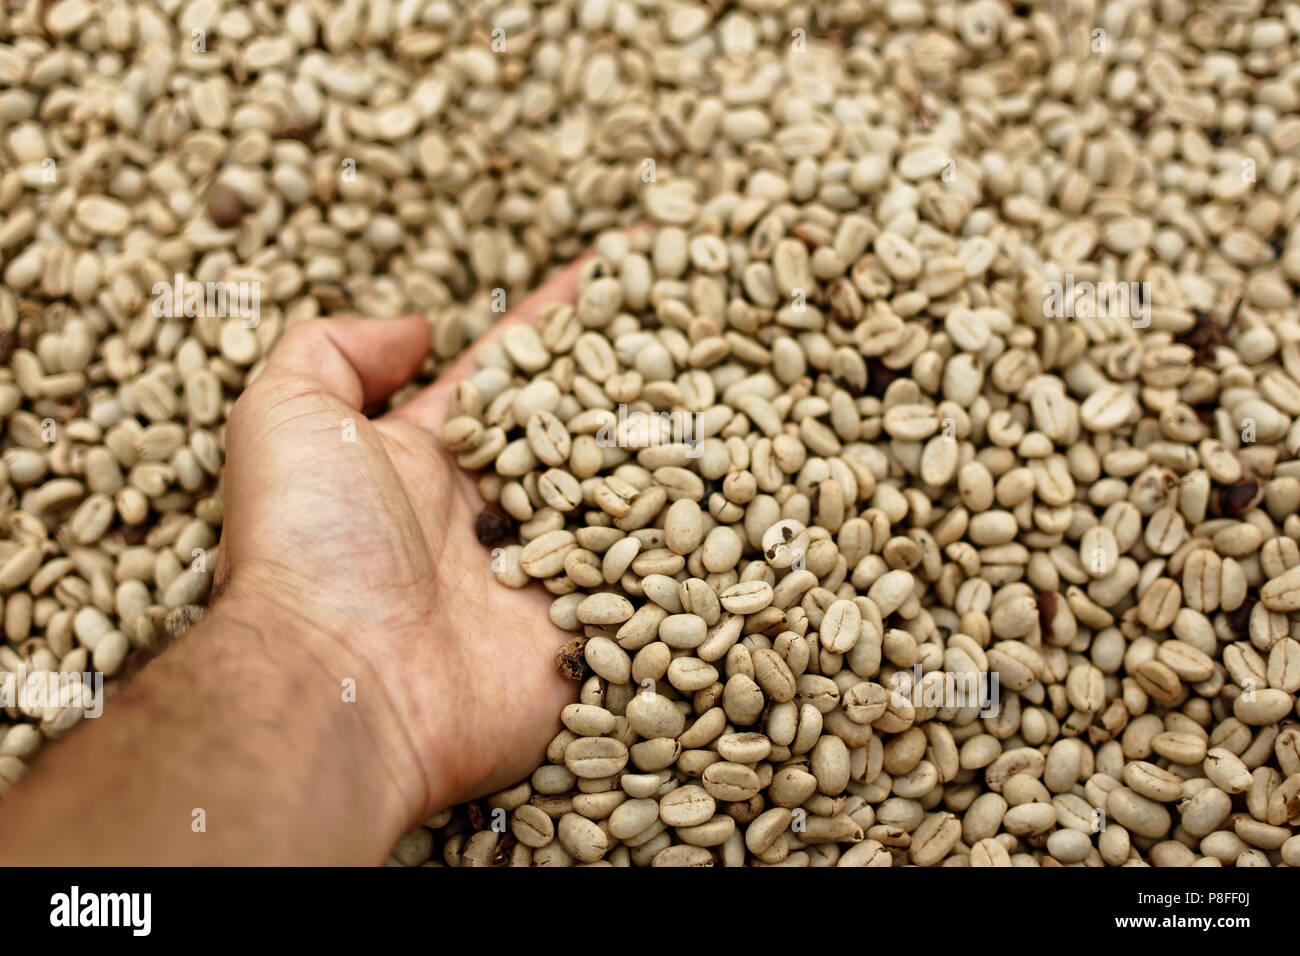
(357, 385)
(358, 665)
(310, 366)
(361, 667)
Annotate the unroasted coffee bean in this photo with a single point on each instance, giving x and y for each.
(571, 660)
(492, 527)
(686, 806)
(1137, 813)
(582, 838)
(225, 207)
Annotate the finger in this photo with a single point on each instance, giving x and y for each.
(358, 361)
(427, 409)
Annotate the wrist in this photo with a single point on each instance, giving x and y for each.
(320, 712)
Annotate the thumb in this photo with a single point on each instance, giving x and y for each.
(353, 361)
(357, 361)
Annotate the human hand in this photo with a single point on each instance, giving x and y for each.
(356, 536)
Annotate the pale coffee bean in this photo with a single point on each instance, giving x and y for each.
(686, 806)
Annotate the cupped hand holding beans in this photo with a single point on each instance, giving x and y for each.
(359, 668)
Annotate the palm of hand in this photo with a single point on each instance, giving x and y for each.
(365, 530)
